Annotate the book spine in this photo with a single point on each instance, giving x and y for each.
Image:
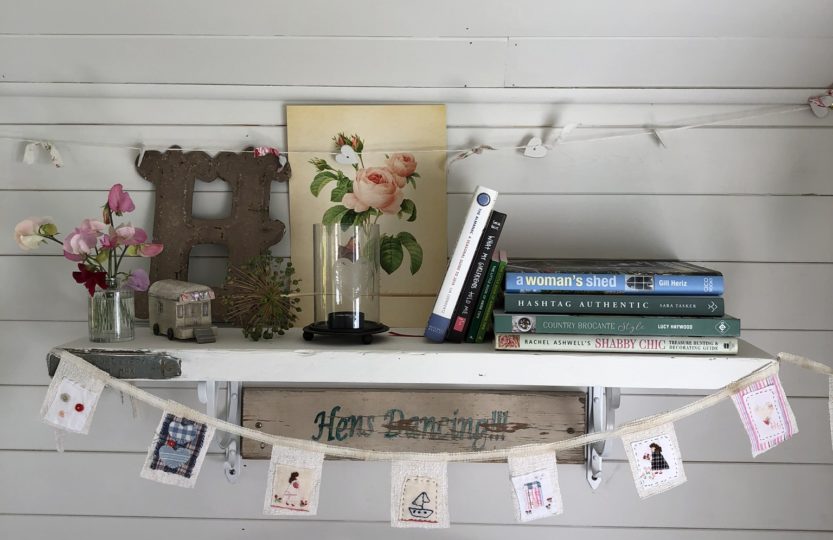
(461, 319)
(694, 306)
(480, 309)
(481, 205)
(486, 322)
(615, 325)
(647, 344)
(532, 282)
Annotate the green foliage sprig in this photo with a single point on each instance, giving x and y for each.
(261, 299)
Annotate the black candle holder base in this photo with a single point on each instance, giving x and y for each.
(365, 332)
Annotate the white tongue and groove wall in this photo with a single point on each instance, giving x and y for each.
(751, 198)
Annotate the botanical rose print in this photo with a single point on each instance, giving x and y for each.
(376, 187)
(402, 164)
(375, 192)
(97, 246)
(29, 233)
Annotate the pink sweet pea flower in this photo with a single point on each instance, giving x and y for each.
(128, 235)
(149, 250)
(29, 233)
(119, 201)
(82, 240)
(138, 280)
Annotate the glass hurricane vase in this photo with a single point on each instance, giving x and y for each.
(111, 314)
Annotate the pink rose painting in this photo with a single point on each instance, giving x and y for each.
(373, 193)
(374, 164)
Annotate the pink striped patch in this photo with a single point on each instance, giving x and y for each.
(766, 414)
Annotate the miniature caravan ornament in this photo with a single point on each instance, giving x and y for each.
(181, 310)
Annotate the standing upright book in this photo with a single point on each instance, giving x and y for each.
(463, 313)
(611, 276)
(496, 288)
(482, 202)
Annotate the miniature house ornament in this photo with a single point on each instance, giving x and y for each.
(182, 310)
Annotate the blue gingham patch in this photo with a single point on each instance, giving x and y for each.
(177, 451)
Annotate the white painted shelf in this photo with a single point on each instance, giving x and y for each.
(398, 361)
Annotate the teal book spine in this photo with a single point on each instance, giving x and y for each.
(615, 304)
(615, 325)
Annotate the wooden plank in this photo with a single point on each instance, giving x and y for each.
(473, 96)
(74, 483)
(703, 161)
(390, 361)
(29, 527)
(668, 62)
(649, 18)
(427, 421)
(693, 227)
(114, 427)
(23, 346)
(205, 105)
(115, 430)
(294, 60)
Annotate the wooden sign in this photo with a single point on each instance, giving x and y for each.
(424, 421)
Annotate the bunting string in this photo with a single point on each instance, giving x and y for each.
(463, 152)
(635, 426)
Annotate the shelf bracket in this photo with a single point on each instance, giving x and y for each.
(207, 392)
(602, 403)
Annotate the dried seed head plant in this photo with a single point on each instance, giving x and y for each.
(262, 296)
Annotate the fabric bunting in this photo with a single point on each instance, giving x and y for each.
(535, 487)
(71, 399)
(178, 449)
(419, 494)
(294, 482)
(655, 459)
(766, 414)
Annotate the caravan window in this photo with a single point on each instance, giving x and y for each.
(159, 305)
(180, 311)
(205, 309)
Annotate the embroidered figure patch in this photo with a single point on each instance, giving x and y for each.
(535, 486)
(176, 454)
(766, 414)
(419, 494)
(655, 460)
(71, 399)
(294, 482)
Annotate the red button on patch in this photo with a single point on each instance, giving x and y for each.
(79, 407)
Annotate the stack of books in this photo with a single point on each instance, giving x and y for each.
(669, 307)
(463, 308)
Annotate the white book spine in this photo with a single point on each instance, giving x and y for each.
(616, 344)
(482, 203)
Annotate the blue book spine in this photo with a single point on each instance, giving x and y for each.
(531, 282)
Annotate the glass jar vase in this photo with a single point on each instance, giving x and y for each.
(347, 273)
(111, 314)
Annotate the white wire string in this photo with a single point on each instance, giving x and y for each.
(701, 404)
(691, 123)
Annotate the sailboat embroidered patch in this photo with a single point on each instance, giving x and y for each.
(419, 495)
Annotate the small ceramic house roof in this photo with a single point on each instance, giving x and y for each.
(181, 291)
